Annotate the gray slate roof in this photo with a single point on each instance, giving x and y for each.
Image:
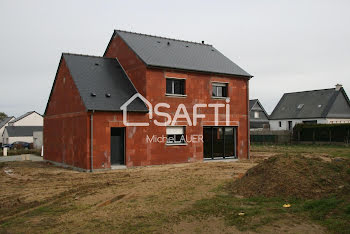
(252, 103)
(102, 76)
(20, 131)
(317, 104)
(163, 52)
(5, 121)
(23, 116)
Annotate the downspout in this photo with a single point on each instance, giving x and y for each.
(248, 118)
(92, 141)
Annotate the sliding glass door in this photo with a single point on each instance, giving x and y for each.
(219, 142)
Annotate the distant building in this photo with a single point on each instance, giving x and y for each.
(31, 118)
(3, 124)
(259, 119)
(27, 128)
(324, 106)
(20, 133)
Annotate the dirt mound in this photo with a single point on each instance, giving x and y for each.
(294, 176)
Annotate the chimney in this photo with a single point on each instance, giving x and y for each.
(202, 42)
(338, 87)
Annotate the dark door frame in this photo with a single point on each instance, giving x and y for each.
(124, 145)
(235, 133)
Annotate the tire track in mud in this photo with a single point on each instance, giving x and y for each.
(81, 191)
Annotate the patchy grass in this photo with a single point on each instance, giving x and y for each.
(332, 212)
(257, 211)
(332, 150)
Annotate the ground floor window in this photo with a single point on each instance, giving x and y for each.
(219, 141)
(175, 135)
(310, 122)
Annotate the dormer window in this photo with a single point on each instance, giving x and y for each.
(256, 114)
(175, 86)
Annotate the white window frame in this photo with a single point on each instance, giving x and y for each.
(174, 94)
(256, 114)
(173, 131)
(220, 84)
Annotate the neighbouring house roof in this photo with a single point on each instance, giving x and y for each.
(96, 78)
(256, 101)
(163, 52)
(23, 116)
(21, 131)
(307, 104)
(5, 121)
(252, 103)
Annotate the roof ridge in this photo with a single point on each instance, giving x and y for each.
(310, 90)
(167, 38)
(86, 55)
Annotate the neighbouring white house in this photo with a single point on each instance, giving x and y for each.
(31, 118)
(324, 106)
(3, 124)
(12, 134)
(27, 128)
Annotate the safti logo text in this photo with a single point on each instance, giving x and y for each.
(181, 112)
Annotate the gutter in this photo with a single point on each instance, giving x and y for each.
(92, 141)
(248, 124)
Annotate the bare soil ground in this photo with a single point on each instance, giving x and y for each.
(38, 197)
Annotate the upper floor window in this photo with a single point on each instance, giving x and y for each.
(219, 90)
(175, 86)
(256, 114)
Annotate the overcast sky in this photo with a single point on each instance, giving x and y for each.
(287, 45)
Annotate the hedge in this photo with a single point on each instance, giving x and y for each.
(322, 132)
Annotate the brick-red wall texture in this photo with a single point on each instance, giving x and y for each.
(151, 84)
(66, 123)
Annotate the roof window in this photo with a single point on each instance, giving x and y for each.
(300, 106)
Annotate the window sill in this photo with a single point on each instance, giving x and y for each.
(223, 98)
(176, 95)
(176, 144)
